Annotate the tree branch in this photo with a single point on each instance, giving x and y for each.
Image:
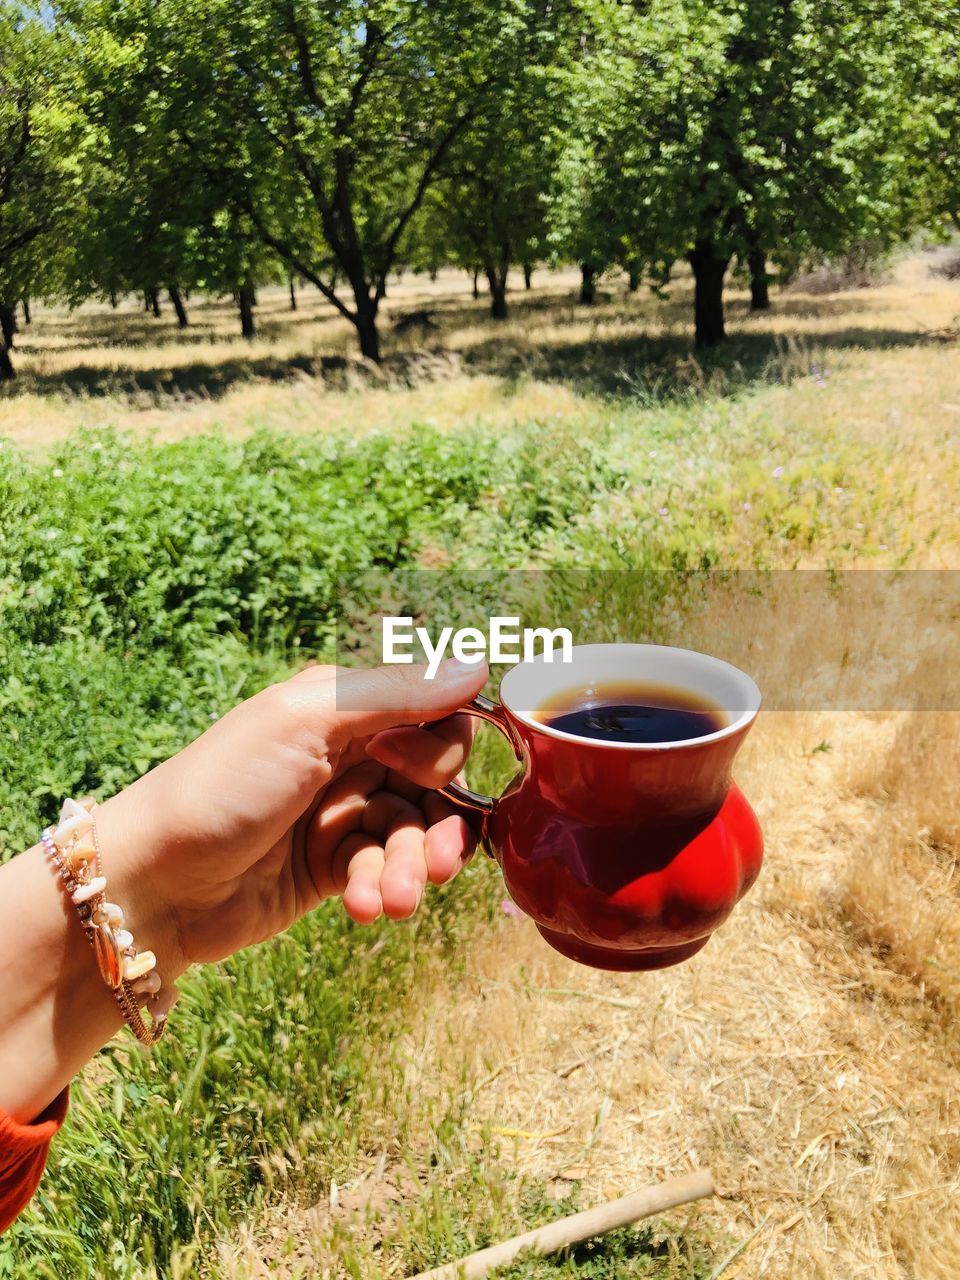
(9, 172)
(304, 60)
(375, 40)
(426, 177)
(22, 239)
(293, 259)
(304, 164)
(289, 145)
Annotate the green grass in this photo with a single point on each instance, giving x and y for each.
(143, 590)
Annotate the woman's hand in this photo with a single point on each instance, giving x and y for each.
(320, 786)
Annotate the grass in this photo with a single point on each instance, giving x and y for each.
(369, 1103)
(901, 900)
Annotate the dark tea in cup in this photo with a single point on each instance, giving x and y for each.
(632, 711)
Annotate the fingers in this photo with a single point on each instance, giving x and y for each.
(377, 839)
(316, 673)
(378, 698)
(385, 866)
(448, 844)
(429, 757)
(339, 816)
(405, 867)
(363, 859)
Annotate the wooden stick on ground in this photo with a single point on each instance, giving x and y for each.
(578, 1227)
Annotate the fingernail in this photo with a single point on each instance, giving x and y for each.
(384, 753)
(454, 669)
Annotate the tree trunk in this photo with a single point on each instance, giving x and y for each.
(155, 304)
(8, 324)
(113, 299)
(634, 276)
(246, 300)
(293, 294)
(709, 270)
(759, 291)
(434, 271)
(588, 283)
(7, 373)
(528, 275)
(367, 332)
(476, 284)
(177, 299)
(27, 314)
(497, 280)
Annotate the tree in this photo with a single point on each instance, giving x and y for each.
(593, 209)
(343, 114)
(42, 144)
(490, 201)
(935, 179)
(596, 204)
(761, 125)
(165, 214)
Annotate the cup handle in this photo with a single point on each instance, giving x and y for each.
(483, 709)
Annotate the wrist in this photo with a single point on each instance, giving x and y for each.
(59, 1011)
(131, 855)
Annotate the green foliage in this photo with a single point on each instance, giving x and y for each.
(163, 209)
(321, 126)
(783, 125)
(144, 590)
(936, 167)
(744, 128)
(43, 148)
(208, 145)
(488, 210)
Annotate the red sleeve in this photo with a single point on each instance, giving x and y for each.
(23, 1154)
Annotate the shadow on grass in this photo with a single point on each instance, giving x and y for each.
(660, 366)
(200, 379)
(613, 305)
(210, 322)
(665, 367)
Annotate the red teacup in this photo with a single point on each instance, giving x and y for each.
(626, 855)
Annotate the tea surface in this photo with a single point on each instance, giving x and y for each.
(632, 712)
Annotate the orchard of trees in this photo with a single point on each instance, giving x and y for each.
(169, 147)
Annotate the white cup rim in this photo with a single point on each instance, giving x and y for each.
(732, 676)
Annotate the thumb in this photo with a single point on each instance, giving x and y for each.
(377, 698)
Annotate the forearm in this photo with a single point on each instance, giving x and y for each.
(56, 1012)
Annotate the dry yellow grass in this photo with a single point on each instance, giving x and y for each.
(903, 895)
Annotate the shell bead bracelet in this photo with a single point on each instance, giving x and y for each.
(131, 975)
